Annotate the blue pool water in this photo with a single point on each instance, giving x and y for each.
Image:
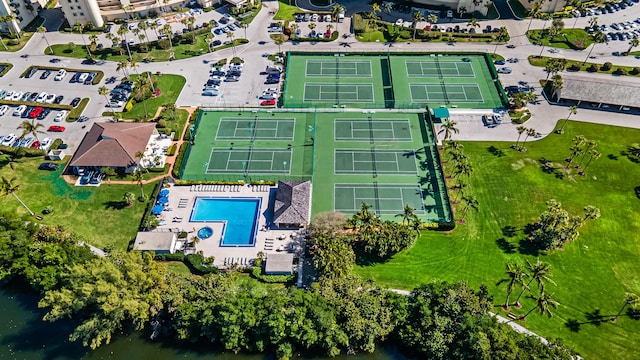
(205, 232)
(240, 216)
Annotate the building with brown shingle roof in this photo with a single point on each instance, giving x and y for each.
(112, 145)
(293, 204)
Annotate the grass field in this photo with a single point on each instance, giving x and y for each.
(567, 39)
(384, 160)
(171, 86)
(268, 145)
(592, 273)
(79, 209)
(391, 81)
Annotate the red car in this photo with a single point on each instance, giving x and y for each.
(268, 102)
(56, 128)
(35, 112)
(35, 145)
(327, 34)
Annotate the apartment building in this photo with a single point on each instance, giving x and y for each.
(24, 10)
(99, 11)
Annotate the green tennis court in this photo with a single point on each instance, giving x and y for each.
(343, 93)
(338, 67)
(438, 68)
(373, 161)
(256, 128)
(458, 93)
(372, 130)
(249, 161)
(384, 199)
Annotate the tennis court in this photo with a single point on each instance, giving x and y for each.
(249, 161)
(373, 161)
(372, 130)
(342, 93)
(256, 129)
(385, 199)
(458, 93)
(438, 68)
(338, 68)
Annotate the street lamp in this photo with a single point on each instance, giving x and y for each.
(284, 169)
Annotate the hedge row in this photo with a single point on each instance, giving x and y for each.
(24, 152)
(31, 103)
(256, 272)
(77, 111)
(179, 158)
(170, 257)
(195, 263)
(210, 182)
(172, 150)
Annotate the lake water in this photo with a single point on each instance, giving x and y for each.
(23, 335)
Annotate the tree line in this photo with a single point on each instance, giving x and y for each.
(129, 291)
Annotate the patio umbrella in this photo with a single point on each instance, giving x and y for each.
(164, 192)
(157, 210)
(162, 201)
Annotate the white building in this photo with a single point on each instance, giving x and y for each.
(460, 6)
(99, 11)
(24, 10)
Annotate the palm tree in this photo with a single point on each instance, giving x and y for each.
(417, 17)
(166, 30)
(79, 27)
(154, 26)
(171, 108)
(374, 10)
(233, 44)
(572, 111)
(122, 65)
(633, 43)
(31, 128)
(432, 18)
(473, 23)
(408, 214)
(294, 27)
(502, 35)
(42, 30)
(448, 128)
(10, 19)
(520, 129)
(515, 275)
(102, 90)
(143, 26)
(530, 132)
(138, 177)
(128, 198)
(280, 42)
(595, 155)
(470, 202)
(591, 213)
(630, 299)
(244, 27)
(543, 302)
(557, 83)
(8, 186)
(387, 7)
(336, 10)
(598, 38)
(540, 272)
(577, 5)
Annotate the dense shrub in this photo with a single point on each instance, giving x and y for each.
(161, 124)
(606, 66)
(179, 158)
(170, 257)
(129, 105)
(592, 68)
(621, 71)
(635, 71)
(164, 44)
(172, 150)
(574, 67)
(195, 263)
(256, 272)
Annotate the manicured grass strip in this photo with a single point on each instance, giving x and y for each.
(286, 12)
(7, 67)
(592, 273)
(13, 45)
(77, 111)
(170, 85)
(589, 66)
(98, 214)
(576, 39)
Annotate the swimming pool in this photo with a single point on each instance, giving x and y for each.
(239, 215)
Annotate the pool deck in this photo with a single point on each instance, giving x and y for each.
(177, 213)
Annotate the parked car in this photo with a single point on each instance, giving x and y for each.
(75, 102)
(56, 128)
(269, 102)
(31, 72)
(115, 104)
(26, 112)
(61, 115)
(58, 99)
(25, 96)
(504, 70)
(60, 75)
(211, 92)
(82, 119)
(50, 98)
(45, 143)
(8, 140)
(33, 97)
(3, 109)
(89, 62)
(19, 110)
(35, 112)
(499, 62)
(44, 114)
(45, 74)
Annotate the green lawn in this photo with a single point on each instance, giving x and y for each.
(588, 66)
(592, 273)
(95, 213)
(567, 39)
(286, 11)
(24, 39)
(171, 86)
(181, 51)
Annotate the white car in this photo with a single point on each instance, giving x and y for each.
(45, 143)
(41, 97)
(8, 95)
(115, 104)
(17, 95)
(3, 109)
(8, 140)
(50, 98)
(60, 116)
(18, 111)
(505, 70)
(60, 75)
